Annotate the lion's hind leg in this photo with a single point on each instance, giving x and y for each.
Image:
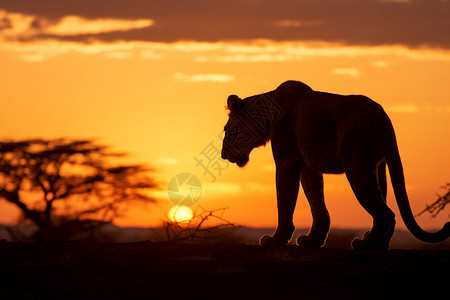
(382, 182)
(366, 187)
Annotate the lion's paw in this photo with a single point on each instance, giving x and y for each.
(306, 240)
(371, 242)
(267, 241)
(359, 244)
(366, 243)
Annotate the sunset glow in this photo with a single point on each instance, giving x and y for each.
(154, 83)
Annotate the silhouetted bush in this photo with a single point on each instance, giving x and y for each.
(206, 226)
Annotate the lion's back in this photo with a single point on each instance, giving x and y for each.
(327, 125)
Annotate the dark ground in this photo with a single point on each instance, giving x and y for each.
(147, 270)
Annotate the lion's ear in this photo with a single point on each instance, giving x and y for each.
(234, 103)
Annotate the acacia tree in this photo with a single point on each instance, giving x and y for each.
(68, 186)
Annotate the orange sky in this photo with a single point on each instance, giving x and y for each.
(77, 74)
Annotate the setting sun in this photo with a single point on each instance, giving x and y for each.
(180, 214)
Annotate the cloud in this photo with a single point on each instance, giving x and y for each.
(224, 52)
(268, 168)
(350, 22)
(274, 51)
(352, 72)
(220, 78)
(74, 25)
(402, 108)
(410, 108)
(38, 51)
(158, 194)
(152, 54)
(18, 26)
(167, 160)
(220, 189)
(246, 58)
(259, 187)
(381, 64)
(118, 55)
(297, 23)
(37, 31)
(436, 108)
(289, 23)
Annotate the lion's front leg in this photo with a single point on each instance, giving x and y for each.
(312, 183)
(287, 181)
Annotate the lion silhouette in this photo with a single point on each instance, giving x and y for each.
(313, 133)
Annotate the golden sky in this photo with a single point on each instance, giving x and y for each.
(152, 79)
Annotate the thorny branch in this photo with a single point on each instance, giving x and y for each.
(436, 207)
(197, 229)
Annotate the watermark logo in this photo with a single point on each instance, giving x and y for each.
(263, 110)
(241, 136)
(184, 189)
(210, 161)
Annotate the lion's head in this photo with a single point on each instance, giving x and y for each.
(246, 129)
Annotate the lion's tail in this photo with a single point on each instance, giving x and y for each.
(398, 182)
